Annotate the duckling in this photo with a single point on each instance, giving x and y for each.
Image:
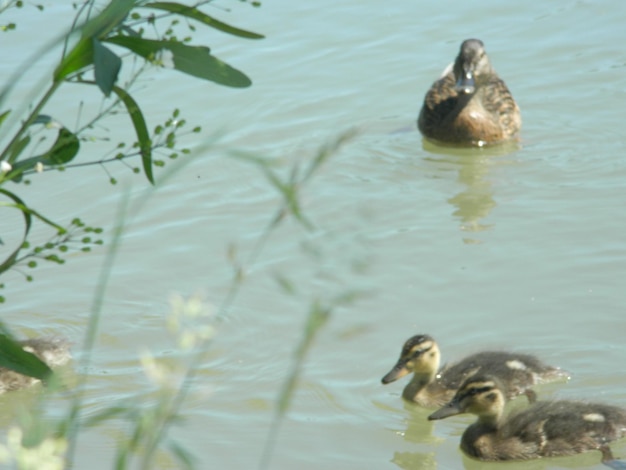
(431, 387)
(470, 104)
(54, 352)
(544, 429)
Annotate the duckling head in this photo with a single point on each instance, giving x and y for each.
(472, 67)
(480, 395)
(54, 351)
(420, 354)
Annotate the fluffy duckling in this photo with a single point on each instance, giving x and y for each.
(470, 104)
(55, 352)
(431, 387)
(544, 429)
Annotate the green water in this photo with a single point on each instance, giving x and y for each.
(522, 249)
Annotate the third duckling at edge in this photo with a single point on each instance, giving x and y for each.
(544, 429)
(470, 104)
(54, 351)
(431, 387)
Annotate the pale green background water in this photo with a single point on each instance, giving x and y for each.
(524, 251)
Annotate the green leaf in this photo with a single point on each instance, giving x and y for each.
(110, 18)
(194, 13)
(42, 119)
(136, 116)
(82, 55)
(10, 260)
(18, 148)
(192, 60)
(13, 357)
(64, 149)
(3, 116)
(107, 66)
(78, 58)
(4, 330)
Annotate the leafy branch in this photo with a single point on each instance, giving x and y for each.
(87, 50)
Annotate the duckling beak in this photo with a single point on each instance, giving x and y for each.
(465, 83)
(398, 371)
(450, 409)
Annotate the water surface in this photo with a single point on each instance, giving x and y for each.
(517, 248)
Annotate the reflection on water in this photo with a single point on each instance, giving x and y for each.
(308, 86)
(414, 460)
(475, 201)
(418, 431)
(586, 460)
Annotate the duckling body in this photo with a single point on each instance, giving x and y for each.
(431, 387)
(544, 429)
(54, 352)
(470, 104)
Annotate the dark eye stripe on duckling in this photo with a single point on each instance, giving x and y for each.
(421, 349)
(474, 389)
(417, 345)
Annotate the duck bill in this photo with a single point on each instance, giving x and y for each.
(465, 84)
(398, 371)
(450, 409)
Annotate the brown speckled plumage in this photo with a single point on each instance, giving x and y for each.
(431, 387)
(544, 429)
(54, 352)
(470, 104)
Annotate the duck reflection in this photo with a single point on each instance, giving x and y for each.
(579, 461)
(414, 460)
(418, 431)
(476, 200)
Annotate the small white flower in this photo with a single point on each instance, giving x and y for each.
(39, 167)
(190, 321)
(48, 455)
(5, 167)
(165, 58)
(155, 371)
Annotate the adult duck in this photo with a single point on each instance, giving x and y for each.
(470, 104)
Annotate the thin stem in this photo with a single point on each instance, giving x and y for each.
(92, 327)
(31, 118)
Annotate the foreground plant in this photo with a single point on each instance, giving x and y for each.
(89, 59)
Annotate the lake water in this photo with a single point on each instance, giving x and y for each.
(522, 249)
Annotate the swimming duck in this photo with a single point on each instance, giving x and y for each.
(431, 387)
(544, 429)
(470, 104)
(55, 352)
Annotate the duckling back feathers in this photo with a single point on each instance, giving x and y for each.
(544, 429)
(431, 387)
(517, 372)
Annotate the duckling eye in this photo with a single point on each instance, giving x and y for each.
(470, 393)
(477, 390)
(419, 352)
(491, 397)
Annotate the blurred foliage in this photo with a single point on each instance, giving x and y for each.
(102, 38)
